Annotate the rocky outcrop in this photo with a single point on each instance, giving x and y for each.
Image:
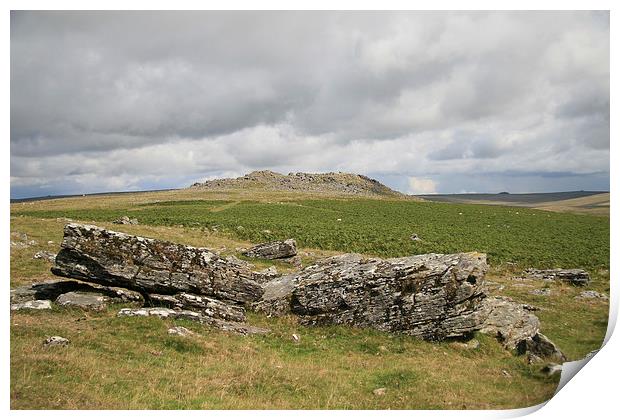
(574, 276)
(333, 183)
(273, 250)
(190, 283)
(32, 304)
(117, 259)
(514, 325)
(431, 296)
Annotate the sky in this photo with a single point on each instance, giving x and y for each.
(426, 102)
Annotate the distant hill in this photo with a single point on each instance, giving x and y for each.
(328, 183)
(593, 202)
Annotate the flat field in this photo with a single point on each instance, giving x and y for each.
(133, 363)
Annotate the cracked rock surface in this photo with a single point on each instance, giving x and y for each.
(432, 296)
(111, 258)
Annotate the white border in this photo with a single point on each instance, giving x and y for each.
(593, 393)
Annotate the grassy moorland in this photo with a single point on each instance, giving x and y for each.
(133, 363)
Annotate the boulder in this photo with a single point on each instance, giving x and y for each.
(273, 250)
(516, 328)
(432, 296)
(116, 259)
(575, 276)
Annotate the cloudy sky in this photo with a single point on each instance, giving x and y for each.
(423, 101)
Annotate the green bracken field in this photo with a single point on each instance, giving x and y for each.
(134, 364)
(383, 227)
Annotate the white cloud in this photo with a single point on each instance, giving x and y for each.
(422, 186)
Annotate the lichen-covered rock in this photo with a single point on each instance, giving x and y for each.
(32, 304)
(432, 296)
(273, 250)
(205, 305)
(514, 325)
(592, 294)
(180, 331)
(110, 258)
(50, 290)
(87, 301)
(574, 276)
(165, 313)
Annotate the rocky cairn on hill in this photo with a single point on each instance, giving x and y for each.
(431, 296)
(330, 183)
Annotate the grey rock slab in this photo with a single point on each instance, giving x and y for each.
(50, 290)
(117, 259)
(592, 294)
(273, 250)
(87, 301)
(32, 304)
(180, 331)
(168, 313)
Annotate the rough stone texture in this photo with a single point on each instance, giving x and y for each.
(56, 341)
(573, 276)
(337, 183)
(432, 296)
(32, 304)
(592, 294)
(125, 220)
(110, 258)
(205, 305)
(266, 275)
(230, 326)
(273, 250)
(44, 255)
(516, 328)
(52, 289)
(541, 292)
(87, 301)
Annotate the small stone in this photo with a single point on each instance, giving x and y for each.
(379, 391)
(32, 304)
(44, 255)
(56, 341)
(125, 220)
(414, 237)
(273, 250)
(180, 331)
(541, 292)
(296, 338)
(506, 374)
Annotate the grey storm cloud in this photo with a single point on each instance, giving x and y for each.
(129, 100)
